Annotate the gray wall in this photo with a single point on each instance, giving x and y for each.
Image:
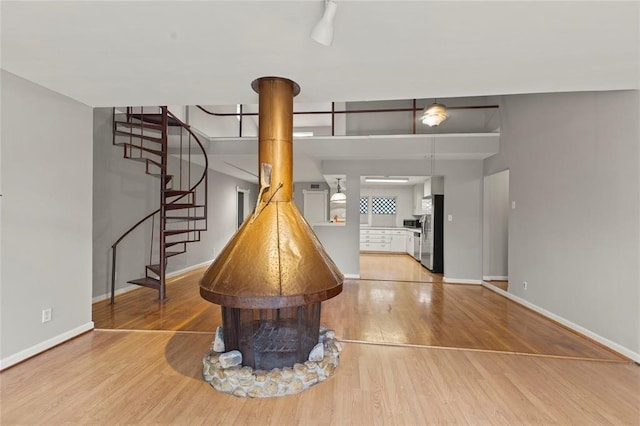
(222, 219)
(463, 184)
(123, 194)
(46, 218)
(342, 243)
(574, 236)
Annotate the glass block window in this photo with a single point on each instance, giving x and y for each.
(364, 205)
(383, 205)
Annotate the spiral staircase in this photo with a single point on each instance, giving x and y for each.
(164, 145)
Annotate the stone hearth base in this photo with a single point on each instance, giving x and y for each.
(247, 382)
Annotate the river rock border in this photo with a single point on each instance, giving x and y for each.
(223, 370)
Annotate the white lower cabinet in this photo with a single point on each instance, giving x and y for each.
(409, 246)
(389, 240)
(374, 246)
(375, 240)
(398, 241)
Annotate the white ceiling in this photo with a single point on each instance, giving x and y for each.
(107, 54)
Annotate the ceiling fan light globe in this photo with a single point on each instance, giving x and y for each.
(434, 115)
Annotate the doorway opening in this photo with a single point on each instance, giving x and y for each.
(391, 210)
(495, 240)
(242, 205)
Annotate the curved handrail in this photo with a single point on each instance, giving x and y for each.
(206, 159)
(138, 223)
(206, 162)
(114, 246)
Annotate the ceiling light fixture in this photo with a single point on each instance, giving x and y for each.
(386, 179)
(434, 114)
(339, 196)
(323, 31)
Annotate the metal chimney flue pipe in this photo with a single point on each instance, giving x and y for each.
(275, 127)
(274, 260)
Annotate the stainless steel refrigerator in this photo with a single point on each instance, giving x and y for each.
(432, 223)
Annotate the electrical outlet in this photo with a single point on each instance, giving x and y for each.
(524, 284)
(46, 315)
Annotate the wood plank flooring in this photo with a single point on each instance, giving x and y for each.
(407, 305)
(416, 351)
(394, 267)
(128, 377)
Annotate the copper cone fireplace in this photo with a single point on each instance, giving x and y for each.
(272, 276)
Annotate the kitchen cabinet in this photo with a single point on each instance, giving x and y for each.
(409, 243)
(375, 240)
(398, 241)
(384, 239)
(434, 186)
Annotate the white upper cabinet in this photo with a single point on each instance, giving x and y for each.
(434, 186)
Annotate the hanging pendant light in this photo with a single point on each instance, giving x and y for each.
(339, 196)
(434, 115)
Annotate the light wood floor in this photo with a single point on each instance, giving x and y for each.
(127, 377)
(415, 352)
(406, 305)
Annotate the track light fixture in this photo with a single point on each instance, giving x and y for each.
(323, 31)
(434, 115)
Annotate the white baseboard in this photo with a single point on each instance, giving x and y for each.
(122, 290)
(189, 268)
(575, 327)
(352, 276)
(130, 287)
(495, 278)
(43, 346)
(460, 281)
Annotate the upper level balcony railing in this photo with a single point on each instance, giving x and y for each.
(400, 117)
